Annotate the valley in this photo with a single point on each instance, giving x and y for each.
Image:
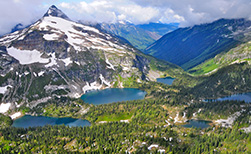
(69, 87)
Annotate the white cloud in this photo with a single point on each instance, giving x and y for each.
(13, 12)
(187, 12)
(110, 11)
(199, 11)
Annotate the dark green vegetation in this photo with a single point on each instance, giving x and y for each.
(188, 47)
(146, 127)
(132, 126)
(229, 80)
(5, 121)
(215, 110)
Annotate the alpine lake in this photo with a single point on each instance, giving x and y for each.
(34, 121)
(167, 80)
(238, 97)
(197, 124)
(96, 97)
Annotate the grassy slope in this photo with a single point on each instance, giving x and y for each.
(238, 54)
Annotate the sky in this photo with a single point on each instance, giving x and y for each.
(185, 12)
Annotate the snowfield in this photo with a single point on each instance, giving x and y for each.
(67, 61)
(50, 37)
(77, 34)
(26, 56)
(4, 107)
(16, 115)
(92, 86)
(4, 89)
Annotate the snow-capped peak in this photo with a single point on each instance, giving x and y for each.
(54, 11)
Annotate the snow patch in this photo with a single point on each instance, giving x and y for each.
(4, 89)
(126, 121)
(126, 68)
(52, 60)
(41, 73)
(103, 80)
(67, 61)
(15, 115)
(229, 121)
(168, 123)
(77, 63)
(34, 74)
(176, 119)
(26, 73)
(92, 86)
(26, 56)
(247, 129)
(51, 37)
(4, 107)
(110, 65)
(153, 146)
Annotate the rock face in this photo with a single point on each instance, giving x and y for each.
(188, 47)
(57, 57)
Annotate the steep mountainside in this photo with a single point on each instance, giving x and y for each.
(57, 57)
(232, 79)
(188, 47)
(140, 36)
(239, 54)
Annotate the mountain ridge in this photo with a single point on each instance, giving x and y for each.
(57, 57)
(188, 47)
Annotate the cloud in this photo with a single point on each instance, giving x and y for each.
(198, 11)
(110, 11)
(13, 12)
(186, 12)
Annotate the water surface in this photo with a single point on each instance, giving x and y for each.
(111, 95)
(33, 121)
(197, 124)
(238, 97)
(167, 80)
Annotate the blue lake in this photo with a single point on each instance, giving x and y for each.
(33, 121)
(239, 97)
(111, 95)
(197, 124)
(167, 80)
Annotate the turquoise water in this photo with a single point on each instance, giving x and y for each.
(167, 80)
(111, 95)
(197, 124)
(33, 121)
(240, 97)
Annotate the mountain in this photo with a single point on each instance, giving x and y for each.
(57, 57)
(188, 47)
(159, 28)
(228, 80)
(225, 74)
(239, 54)
(140, 36)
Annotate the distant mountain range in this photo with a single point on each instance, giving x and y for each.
(188, 47)
(140, 36)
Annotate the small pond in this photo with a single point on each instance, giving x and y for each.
(167, 80)
(111, 95)
(197, 124)
(33, 121)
